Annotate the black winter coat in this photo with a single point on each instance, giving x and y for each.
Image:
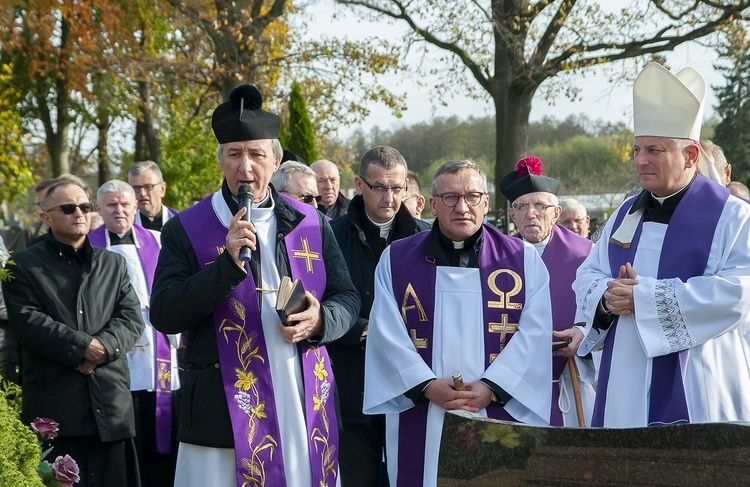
(184, 297)
(56, 307)
(347, 354)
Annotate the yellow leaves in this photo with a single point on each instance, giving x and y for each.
(258, 410)
(320, 372)
(245, 380)
(317, 402)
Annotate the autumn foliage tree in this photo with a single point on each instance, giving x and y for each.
(510, 47)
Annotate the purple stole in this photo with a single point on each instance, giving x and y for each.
(243, 356)
(684, 254)
(148, 252)
(501, 266)
(564, 253)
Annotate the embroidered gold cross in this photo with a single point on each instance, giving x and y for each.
(306, 254)
(503, 328)
(164, 376)
(418, 342)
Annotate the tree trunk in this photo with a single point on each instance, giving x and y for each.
(102, 160)
(147, 144)
(512, 108)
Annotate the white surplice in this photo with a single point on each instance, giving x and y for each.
(286, 374)
(142, 357)
(586, 374)
(712, 311)
(393, 366)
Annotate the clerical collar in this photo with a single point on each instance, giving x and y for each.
(154, 223)
(540, 246)
(384, 228)
(443, 251)
(153, 218)
(121, 239)
(658, 209)
(234, 205)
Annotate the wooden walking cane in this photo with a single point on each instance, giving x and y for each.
(573, 369)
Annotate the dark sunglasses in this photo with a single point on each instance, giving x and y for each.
(306, 198)
(70, 208)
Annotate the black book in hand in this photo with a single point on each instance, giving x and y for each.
(291, 299)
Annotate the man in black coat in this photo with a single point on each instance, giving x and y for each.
(76, 315)
(254, 407)
(374, 219)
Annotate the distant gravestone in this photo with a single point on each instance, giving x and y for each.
(480, 452)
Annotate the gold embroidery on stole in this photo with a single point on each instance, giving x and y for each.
(504, 302)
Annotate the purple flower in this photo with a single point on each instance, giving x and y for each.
(45, 428)
(66, 471)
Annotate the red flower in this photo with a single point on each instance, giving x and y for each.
(46, 428)
(529, 165)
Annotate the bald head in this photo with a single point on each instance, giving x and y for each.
(328, 180)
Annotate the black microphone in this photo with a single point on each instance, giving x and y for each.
(245, 200)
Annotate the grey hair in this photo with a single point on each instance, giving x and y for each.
(383, 156)
(572, 204)
(742, 190)
(414, 186)
(141, 167)
(114, 186)
(716, 154)
(278, 151)
(282, 179)
(455, 167)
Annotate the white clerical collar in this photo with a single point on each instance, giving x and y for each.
(540, 246)
(458, 245)
(263, 209)
(624, 234)
(385, 228)
(662, 200)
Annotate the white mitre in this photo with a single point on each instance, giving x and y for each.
(666, 105)
(671, 105)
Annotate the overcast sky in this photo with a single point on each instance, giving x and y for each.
(599, 98)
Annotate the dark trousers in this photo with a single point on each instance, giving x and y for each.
(100, 464)
(361, 449)
(157, 470)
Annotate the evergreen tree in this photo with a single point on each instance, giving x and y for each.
(300, 137)
(733, 132)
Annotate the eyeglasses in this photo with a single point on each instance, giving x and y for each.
(382, 190)
(409, 197)
(147, 187)
(70, 208)
(524, 207)
(451, 199)
(305, 198)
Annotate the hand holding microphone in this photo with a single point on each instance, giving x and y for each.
(245, 200)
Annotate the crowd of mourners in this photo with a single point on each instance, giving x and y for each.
(157, 341)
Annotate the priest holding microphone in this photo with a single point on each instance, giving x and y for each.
(258, 402)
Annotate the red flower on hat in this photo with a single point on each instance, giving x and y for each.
(529, 165)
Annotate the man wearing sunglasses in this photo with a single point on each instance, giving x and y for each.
(375, 218)
(297, 181)
(76, 316)
(462, 298)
